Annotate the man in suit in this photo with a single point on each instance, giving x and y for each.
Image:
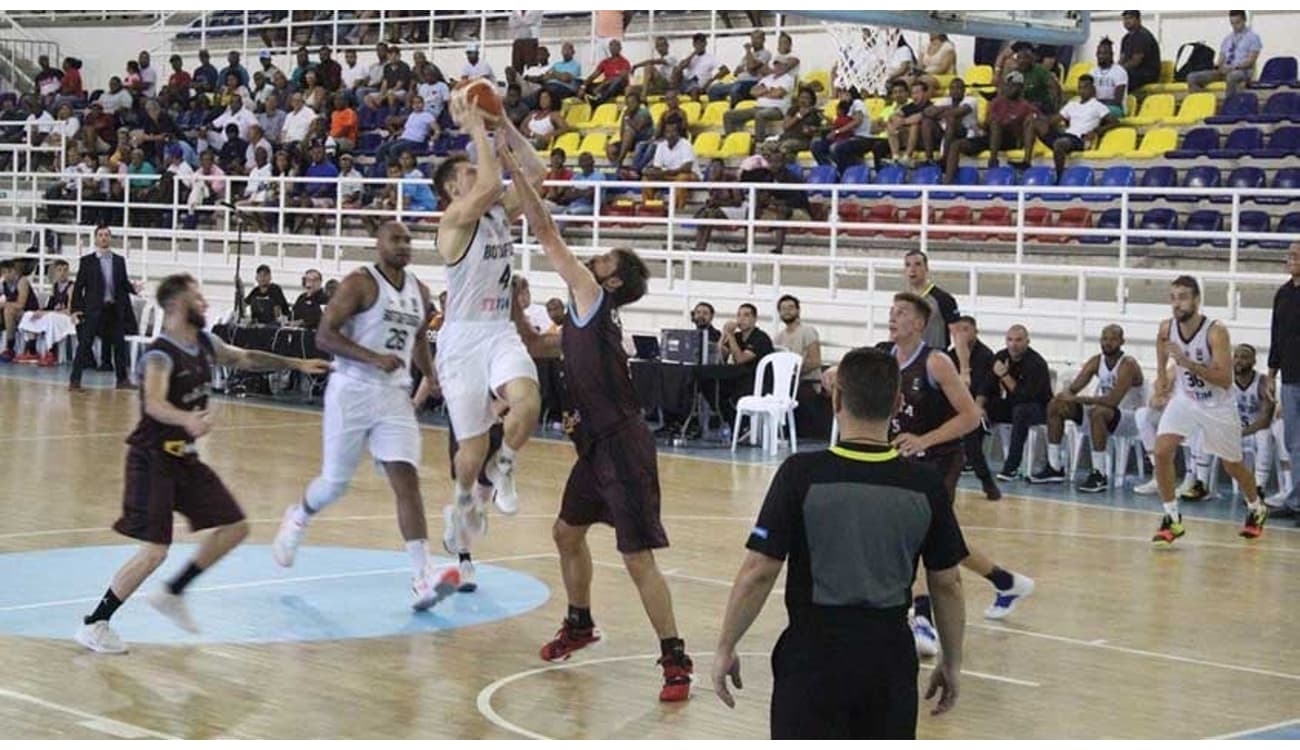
(101, 305)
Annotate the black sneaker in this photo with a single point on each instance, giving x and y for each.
(1048, 476)
(1196, 494)
(1008, 475)
(1095, 482)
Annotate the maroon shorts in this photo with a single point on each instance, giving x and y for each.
(617, 483)
(158, 483)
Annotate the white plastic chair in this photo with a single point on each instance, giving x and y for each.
(1122, 444)
(151, 320)
(767, 411)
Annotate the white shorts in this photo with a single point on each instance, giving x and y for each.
(1220, 426)
(357, 414)
(474, 362)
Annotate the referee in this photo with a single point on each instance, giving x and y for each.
(853, 522)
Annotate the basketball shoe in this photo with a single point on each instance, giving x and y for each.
(432, 586)
(571, 638)
(677, 668)
(173, 607)
(1254, 526)
(101, 638)
(287, 539)
(1169, 531)
(1004, 603)
(927, 639)
(501, 473)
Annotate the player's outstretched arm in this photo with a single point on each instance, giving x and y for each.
(254, 360)
(488, 187)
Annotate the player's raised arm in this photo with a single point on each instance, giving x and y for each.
(487, 187)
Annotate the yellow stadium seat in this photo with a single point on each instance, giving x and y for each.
(691, 110)
(981, 110)
(978, 75)
(1195, 107)
(1076, 70)
(874, 105)
(1166, 71)
(822, 77)
(831, 109)
(1115, 143)
(1165, 83)
(746, 104)
(1155, 108)
(943, 79)
(1155, 143)
(1018, 154)
(738, 145)
(569, 142)
(713, 113)
(708, 145)
(605, 117)
(1130, 104)
(657, 111)
(576, 114)
(594, 144)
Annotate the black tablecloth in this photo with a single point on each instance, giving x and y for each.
(286, 341)
(672, 386)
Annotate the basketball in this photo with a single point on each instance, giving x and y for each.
(480, 93)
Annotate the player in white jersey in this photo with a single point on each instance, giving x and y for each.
(480, 355)
(374, 326)
(1119, 395)
(1254, 395)
(1201, 351)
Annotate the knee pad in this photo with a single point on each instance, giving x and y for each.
(322, 493)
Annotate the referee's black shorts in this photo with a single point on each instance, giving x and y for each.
(845, 688)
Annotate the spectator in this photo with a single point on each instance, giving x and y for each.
(582, 201)
(397, 75)
(65, 189)
(698, 71)
(205, 76)
(237, 114)
(530, 79)
(233, 151)
(958, 117)
(1010, 121)
(557, 197)
(1041, 88)
(515, 108)
(306, 311)
(264, 58)
(722, 203)
(386, 199)
(261, 90)
(19, 299)
(283, 91)
(296, 123)
(47, 328)
(1237, 56)
(636, 132)
(804, 123)
(850, 136)
(434, 91)
(313, 94)
(117, 98)
(140, 173)
(320, 193)
(65, 128)
(148, 75)
(233, 66)
(257, 139)
(742, 343)
(417, 190)
(373, 115)
(1284, 359)
(557, 312)
(784, 45)
(48, 80)
(266, 302)
(674, 113)
(974, 362)
(284, 167)
(232, 90)
(272, 120)
(258, 185)
(302, 66)
(939, 58)
(674, 161)
(1018, 395)
(352, 73)
(772, 95)
(748, 72)
(564, 79)
(329, 71)
(101, 306)
(156, 129)
(474, 67)
(943, 306)
(71, 89)
(132, 78)
(374, 78)
(209, 185)
(1139, 52)
(783, 205)
(544, 125)
(525, 28)
(902, 62)
(179, 81)
(911, 117)
(1077, 126)
(802, 340)
(419, 128)
(344, 123)
(1110, 80)
(535, 314)
(657, 77)
(352, 189)
(612, 73)
(702, 318)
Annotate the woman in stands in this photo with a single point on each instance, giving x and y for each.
(544, 125)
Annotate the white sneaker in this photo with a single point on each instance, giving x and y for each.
(173, 607)
(1277, 500)
(1005, 601)
(100, 638)
(927, 639)
(501, 473)
(1188, 483)
(468, 584)
(1147, 488)
(432, 586)
(287, 539)
(451, 530)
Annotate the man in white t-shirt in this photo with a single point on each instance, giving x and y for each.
(658, 68)
(748, 71)
(353, 71)
(474, 67)
(772, 96)
(1110, 80)
(1077, 126)
(674, 161)
(699, 70)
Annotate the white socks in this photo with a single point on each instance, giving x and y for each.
(1099, 462)
(1171, 509)
(506, 454)
(418, 549)
(1054, 456)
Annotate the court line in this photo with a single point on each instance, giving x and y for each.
(484, 699)
(81, 435)
(88, 718)
(273, 582)
(1256, 730)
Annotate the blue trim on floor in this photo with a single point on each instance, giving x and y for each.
(1285, 732)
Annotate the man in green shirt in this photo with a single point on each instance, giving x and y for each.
(1041, 87)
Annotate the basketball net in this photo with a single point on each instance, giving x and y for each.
(863, 54)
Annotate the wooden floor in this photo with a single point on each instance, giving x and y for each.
(1119, 641)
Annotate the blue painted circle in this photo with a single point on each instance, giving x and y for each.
(331, 593)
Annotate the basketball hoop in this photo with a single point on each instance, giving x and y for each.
(862, 54)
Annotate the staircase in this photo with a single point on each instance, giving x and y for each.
(19, 52)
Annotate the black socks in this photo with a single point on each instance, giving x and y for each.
(1000, 579)
(922, 606)
(178, 584)
(580, 617)
(107, 606)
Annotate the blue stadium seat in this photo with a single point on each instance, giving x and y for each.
(926, 175)
(1246, 177)
(1197, 142)
(822, 174)
(1117, 176)
(1109, 219)
(1236, 108)
(1278, 71)
(964, 176)
(997, 176)
(1240, 142)
(1199, 221)
(890, 175)
(1079, 176)
(858, 174)
(368, 144)
(1287, 178)
(1246, 222)
(1290, 224)
(1156, 177)
(1285, 141)
(1156, 220)
(1038, 177)
(1204, 176)
(1284, 105)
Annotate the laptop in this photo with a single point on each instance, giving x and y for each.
(647, 347)
(682, 345)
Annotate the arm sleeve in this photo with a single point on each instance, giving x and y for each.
(773, 532)
(944, 546)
